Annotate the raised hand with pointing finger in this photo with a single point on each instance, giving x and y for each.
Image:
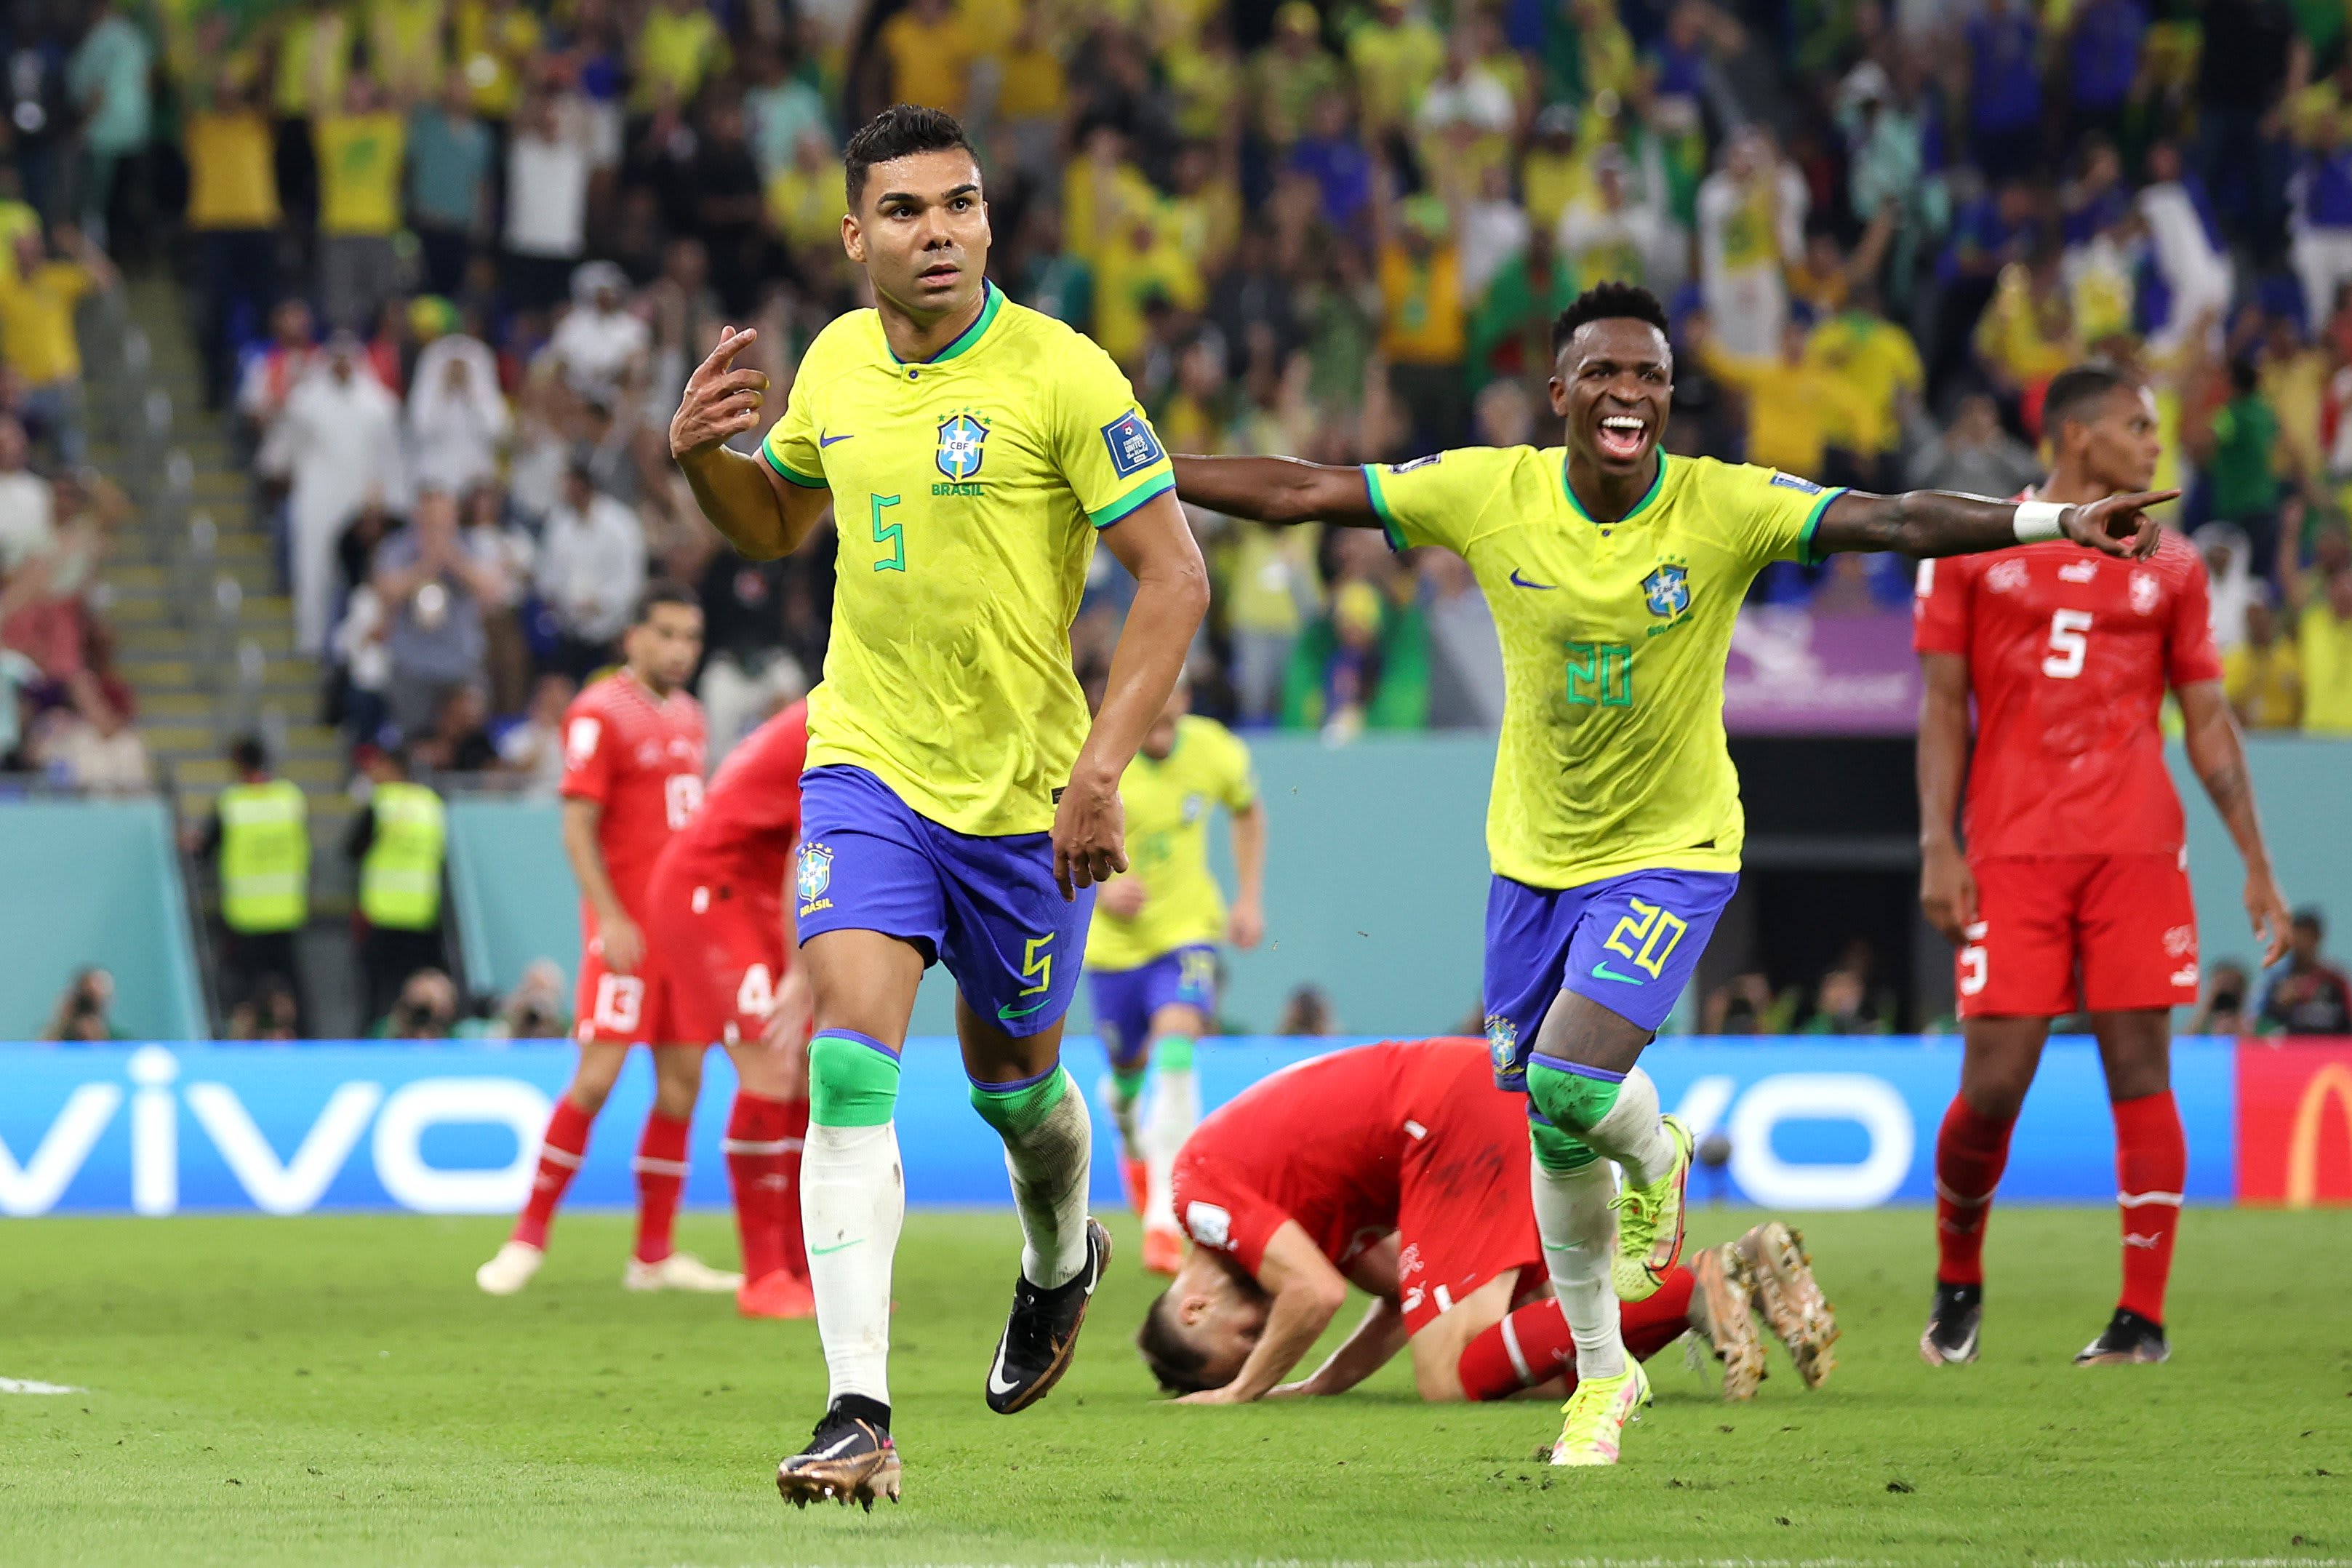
(720, 402)
(760, 515)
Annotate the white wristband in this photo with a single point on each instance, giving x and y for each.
(2037, 521)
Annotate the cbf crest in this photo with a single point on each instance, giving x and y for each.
(1502, 1045)
(962, 439)
(815, 872)
(1667, 590)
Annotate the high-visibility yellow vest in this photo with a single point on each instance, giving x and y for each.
(400, 880)
(265, 856)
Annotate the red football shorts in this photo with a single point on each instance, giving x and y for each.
(717, 958)
(2121, 925)
(616, 1009)
(1464, 1213)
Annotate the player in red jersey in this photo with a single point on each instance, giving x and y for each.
(2072, 891)
(1398, 1166)
(633, 746)
(718, 971)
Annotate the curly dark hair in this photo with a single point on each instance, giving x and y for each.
(1609, 302)
(900, 131)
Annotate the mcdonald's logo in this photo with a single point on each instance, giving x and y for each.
(2294, 1122)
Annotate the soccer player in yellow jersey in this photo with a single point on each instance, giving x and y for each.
(1152, 955)
(1615, 573)
(956, 807)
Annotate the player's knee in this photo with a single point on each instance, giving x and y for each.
(1017, 1111)
(853, 1079)
(1571, 1101)
(1438, 1379)
(1561, 1153)
(1173, 1051)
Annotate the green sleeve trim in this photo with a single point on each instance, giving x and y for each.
(1389, 524)
(789, 474)
(1149, 490)
(1805, 556)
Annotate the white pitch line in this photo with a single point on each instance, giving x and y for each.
(33, 1386)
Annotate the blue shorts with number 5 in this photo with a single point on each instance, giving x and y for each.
(985, 906)
(1125, 999)
(1627, 942)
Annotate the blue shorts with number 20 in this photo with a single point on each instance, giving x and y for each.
(985, 906)
(1627, 942)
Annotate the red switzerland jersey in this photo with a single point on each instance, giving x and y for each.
(1323, 1142)
(2069, 654)
(743, 833)
(641, 759)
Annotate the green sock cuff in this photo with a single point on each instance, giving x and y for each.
(853, 1082)
(1127, 1082)
(1014, 1109)
(1173, 1052)
(1557, 1151)
(1571, 1100)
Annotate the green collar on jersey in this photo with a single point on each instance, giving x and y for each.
(1639, 507)
(992, 299)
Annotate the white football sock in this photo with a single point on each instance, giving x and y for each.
(1050, 1164)
(1579, 1241)
(1175, 1112)
(1632, 1135)
(853, 1201)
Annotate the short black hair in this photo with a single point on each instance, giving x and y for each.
(2310, 915)
(1609, 302)
(900, 131)
(2076, 391)
(1177, 1364)
(662, 591)
(248, 754)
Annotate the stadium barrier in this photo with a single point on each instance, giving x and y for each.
(452, 1129)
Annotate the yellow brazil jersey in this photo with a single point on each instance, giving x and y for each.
(1169, 803)
(1612, 757)
(963, 489)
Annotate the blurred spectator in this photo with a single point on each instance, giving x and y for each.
(84, 1014)
(1745, 1004)
(493, 537)
(785, 109)
(27, 506)
(1289, 72)
(2004, 46)
(1612, 230)
(2238, 97)
(38, 344)
(2319, 609)
(1974, 455)
(548, 160)
(1465, 678)
(2223, 1010)
(591, 566)
(2191, 254)
(2263, 674)
(1307, 1012)
(2306, 995)
(929, 52)
(1423, 334)
(2231, 578)
(270, 1012)
(361, 151)
(1752, 223)
(459, 740)
(88, 743)
(728, 207)
(433, 586)
(398, 843)
(271, 371)
(1841, 1006)
(1877, 367)
(1394, 55)
(678, 47)
(339, 433)
(532, 749)
(600, 346)
(107, 77)
(424, 1010)
(448, 182)
(1792, 399)
(458, 418)
(233, 212)
(539, 1007)
(2320, 221)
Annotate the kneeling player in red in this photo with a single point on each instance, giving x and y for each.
(723, 976)
(2073, 890)
(1396, 1166)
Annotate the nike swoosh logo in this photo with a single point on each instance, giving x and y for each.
(836, 1247)
(840, 1445)
(1009, 1012)
(998, 1383)
(825, 440)
(1519, 582)
(1601, 971)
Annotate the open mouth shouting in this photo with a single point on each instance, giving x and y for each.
(1622, 437)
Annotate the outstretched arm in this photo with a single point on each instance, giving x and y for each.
(1948, 891)
(760, 513)
(1307, 1294)
(1277, 490)
(2219, 755)
(1939, 523)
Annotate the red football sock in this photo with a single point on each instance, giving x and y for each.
(760, 1143)
(559, 1153)
(2151, 1169)
(1533, 1344)
(661, 1177)
(1971, 1150)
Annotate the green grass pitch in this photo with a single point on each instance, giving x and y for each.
(334, 1390)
